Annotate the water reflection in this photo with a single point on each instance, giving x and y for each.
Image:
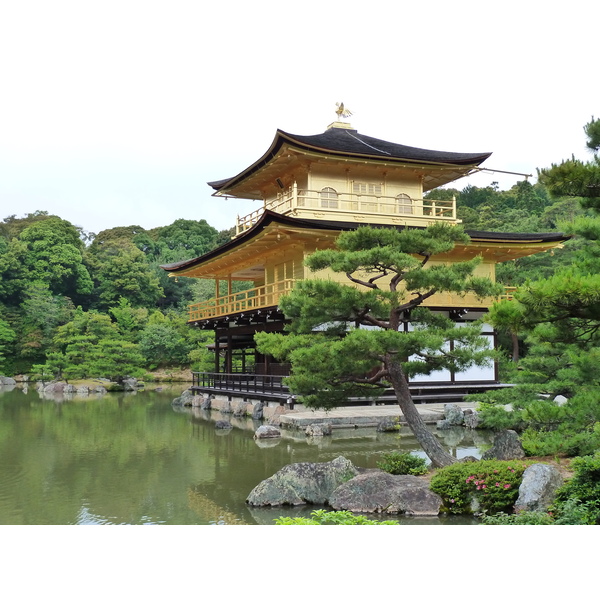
(135, 459)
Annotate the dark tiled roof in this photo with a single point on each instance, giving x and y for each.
(348, 142)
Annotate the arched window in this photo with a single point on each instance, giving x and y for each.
(329, 198)
(404, 204)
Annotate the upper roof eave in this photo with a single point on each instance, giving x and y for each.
(349, 143)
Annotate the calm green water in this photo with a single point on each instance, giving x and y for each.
(134, 459)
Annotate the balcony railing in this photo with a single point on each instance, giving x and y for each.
(294, 199)
(258, 297)
(508, 293)
(245, 383)
(262, 297)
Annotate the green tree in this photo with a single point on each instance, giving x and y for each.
(41, 313)
(561, 316)
(183, 236)
(7, 335)
(90, 345)
(55, 257)
(130, 321)
(120, 270)
(13, 275)
(116, 359)
(577, 178)
(358, 339)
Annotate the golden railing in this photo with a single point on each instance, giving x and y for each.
(261, 297)
(508, 293)
(294, 199)
(258, 297)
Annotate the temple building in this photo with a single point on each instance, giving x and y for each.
(311, 188)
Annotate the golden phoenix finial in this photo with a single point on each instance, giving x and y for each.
(341, 112)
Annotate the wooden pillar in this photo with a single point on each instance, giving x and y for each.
(216, 352)
(228, 355)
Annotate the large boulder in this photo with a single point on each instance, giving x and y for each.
(241, 409)
(318, 429)
(388, 424)
(185, 399)
(507, 446)
(453, 414)
(380, 492)
(258, 411)
(7, 381)
(267, 431)
(131, 384)
(302, 483)
(471, 418)
(538, 487)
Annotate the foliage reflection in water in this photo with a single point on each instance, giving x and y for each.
(135, 459)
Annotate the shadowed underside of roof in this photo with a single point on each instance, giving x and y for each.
(270, 217)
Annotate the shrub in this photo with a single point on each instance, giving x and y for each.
(403, 463)
(523, 518)
(561, 441)
(489, 486)
(578, 500)
(336, 517)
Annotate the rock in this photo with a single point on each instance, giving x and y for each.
(241, 409)
(99, 389)
(317, 429)
(388, 424)
(258, 411)
(380, 492)
(468, 459)
(538, 487)
(185, 399)
(226, 409)
(7, 381)
(443, 424)
(560, 400)
(267, 431)
(55, 387)
(471, 418)
(453, 414)
(223, 425)
(276, 416)
(131, 384)
(302, 483)
(507, 446)
(197, 400)
(207, 402)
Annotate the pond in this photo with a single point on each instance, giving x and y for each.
(136, 459)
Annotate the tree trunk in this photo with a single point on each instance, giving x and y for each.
(430, 444)
(515, 346)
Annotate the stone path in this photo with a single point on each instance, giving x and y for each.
(360, 416)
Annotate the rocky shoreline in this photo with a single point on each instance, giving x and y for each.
(339, 485)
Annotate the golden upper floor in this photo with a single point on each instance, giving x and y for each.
(341, 175)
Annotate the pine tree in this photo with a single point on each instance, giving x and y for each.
(373, 332)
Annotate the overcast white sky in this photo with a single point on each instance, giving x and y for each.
(118, 112)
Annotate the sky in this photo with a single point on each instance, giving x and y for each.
(118, 113)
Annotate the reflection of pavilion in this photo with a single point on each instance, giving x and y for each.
(210, 511)
(311, 188)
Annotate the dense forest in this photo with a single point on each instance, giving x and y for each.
(75, 304)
